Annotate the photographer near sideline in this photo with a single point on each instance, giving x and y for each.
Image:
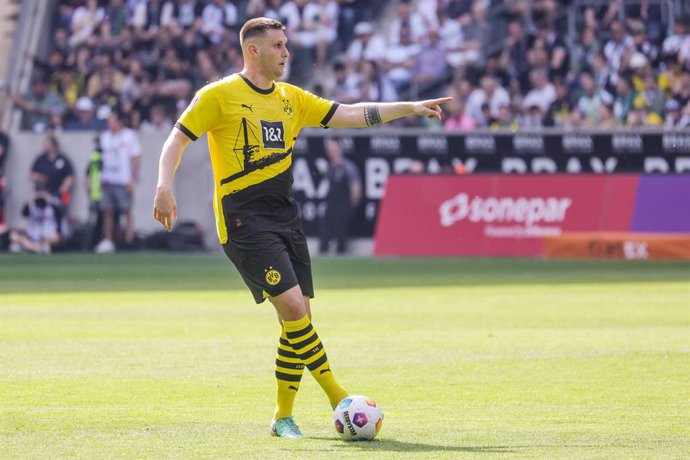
(42, 230)
(52, 172)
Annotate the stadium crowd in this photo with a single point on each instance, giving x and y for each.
(508, 64)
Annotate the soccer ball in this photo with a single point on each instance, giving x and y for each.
(357, 418)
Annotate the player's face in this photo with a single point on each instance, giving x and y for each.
(273, 53)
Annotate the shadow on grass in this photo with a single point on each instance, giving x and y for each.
(165, 272)
(390, 445)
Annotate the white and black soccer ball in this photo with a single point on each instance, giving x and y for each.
(357, 418)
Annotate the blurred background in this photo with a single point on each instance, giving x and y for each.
(568, 134)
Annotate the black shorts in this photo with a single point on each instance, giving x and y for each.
(271, 262)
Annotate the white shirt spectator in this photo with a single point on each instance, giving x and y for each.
(140, 14)
(479, 97)
(214, 17)
(589, 105)
(541, 97)
(292, 17)
(84, 22)
(325, 18)
(417, 26)
(373, 50)
(418, 29)
(187, 13)
(614, 52)
(118, 150)
(427, 9)
(401, 60)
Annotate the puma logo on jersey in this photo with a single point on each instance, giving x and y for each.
(245, 106)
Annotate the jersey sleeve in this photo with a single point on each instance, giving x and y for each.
(315, 110)
(201, 115)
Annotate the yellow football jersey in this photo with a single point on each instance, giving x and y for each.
(251, 134)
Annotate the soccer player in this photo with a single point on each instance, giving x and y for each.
(252, 123)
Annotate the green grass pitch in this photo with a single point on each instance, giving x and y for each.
(162, 356)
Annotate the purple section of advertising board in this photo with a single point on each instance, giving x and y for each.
(663, 204)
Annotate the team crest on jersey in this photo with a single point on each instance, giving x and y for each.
(288, 110)
(272, 276)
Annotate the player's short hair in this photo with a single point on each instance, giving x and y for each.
(259, 26)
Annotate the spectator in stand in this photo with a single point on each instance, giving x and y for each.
(84, 22)
(492, 67)
(543, 92)
(622, 104)
(189, 14)
(684, 121)
(670, 72)
(400, 60)
(55, 63)
(430, 67)
(681, 89)
(476, 35)
(602, 73)
(557, 50)
(374, 84)
(641, 116)
(115, 15)
(591, 98)
(302, 38)
(160, 121)
(641, 43)
(321, 19)
(405, 17)
(207, 71)
(366, 46)
(532, 118)
(4, 149)
(61, 40)
(149, 17)
(650, 90)
(451, 36)
(606, 118)
(344, 195)
(491, 94)
(69, 85)
(107, 97)
(131, 83)
(575, 121)
(141, 108)
(215, 17)
(104, 65)
(345, 85)
(585, 49)
(677, 40)
(619, 48)
(561, 107)
(121, 164)
(38, 104)
(85, 116)
(504, 119)
(515, 49)
(673, 114)
(457, 118)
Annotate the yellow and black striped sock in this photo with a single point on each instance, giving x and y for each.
(289, 369)
(306, 344)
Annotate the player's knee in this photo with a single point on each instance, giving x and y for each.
(290, 304)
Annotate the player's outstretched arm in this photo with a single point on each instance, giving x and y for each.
(164, 205)
(366, 114)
